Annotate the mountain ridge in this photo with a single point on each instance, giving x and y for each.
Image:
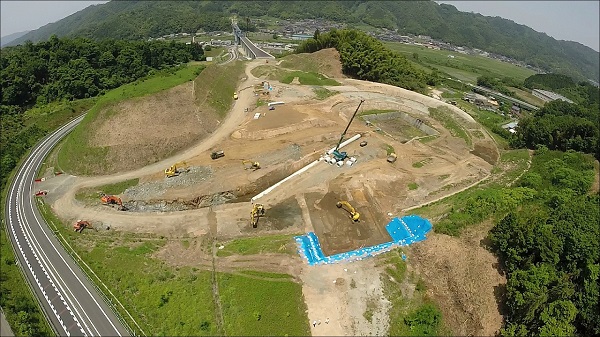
(144, 19)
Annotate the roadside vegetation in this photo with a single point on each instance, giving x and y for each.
(21, 308)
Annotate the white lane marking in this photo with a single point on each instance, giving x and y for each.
(13, 196)
(33, 273)
(39, 153)
(54, 273)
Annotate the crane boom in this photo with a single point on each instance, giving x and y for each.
(348, 126)
(342, 155)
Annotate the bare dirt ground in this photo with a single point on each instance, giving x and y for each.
(213, 198)
(463, 278)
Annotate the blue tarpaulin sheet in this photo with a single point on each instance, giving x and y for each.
(404, 231)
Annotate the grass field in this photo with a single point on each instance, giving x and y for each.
(308, 78)
(257, 245)
(443, 116)
(75, 154)
(511, 164)
(322, 93)
(178, 301)
(219, 82)
(92, 194)
(253, 307)
(463, 67)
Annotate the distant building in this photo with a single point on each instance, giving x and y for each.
(511, 126)
(300, 37)
(548, 96)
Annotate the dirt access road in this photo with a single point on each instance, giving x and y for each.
(67, 208)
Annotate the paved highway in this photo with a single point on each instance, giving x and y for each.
(68, 298)
(259, 53)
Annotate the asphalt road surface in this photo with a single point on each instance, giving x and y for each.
(258, 52)
(68, 298)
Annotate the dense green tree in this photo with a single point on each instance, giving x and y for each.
(366, 58)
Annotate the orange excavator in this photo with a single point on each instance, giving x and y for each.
(80, 225)
(113, 200)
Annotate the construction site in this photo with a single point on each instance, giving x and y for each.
(286, 162)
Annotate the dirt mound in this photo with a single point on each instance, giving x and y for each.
(463, 278)
(144, 130)
(325, 61)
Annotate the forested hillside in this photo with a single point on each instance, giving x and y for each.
(144, 19)
(550, 250)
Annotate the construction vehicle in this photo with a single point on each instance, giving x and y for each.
(176, 169)
(112, 200)
(254, 165)
(257, 211)
(392, 158)
(354, 215)
(340, 156)
(80, 225)
(217, 154)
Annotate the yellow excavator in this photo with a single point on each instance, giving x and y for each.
(254, 165)
(354, 215)
(257, 211)
(176, 169)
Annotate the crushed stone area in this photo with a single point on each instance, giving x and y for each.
(155, 189)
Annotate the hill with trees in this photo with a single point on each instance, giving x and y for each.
(365, 58)
(144, 19)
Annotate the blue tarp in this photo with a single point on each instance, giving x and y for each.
(404, 231)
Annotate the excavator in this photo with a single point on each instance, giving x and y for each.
(80, 225)
(354, 215)
(257, 211)
(254, 165)
(113, 200)
(176, 169)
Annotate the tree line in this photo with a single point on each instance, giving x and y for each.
(550, 250)
(561, 125)
(366, 58)
(144, 19)
(80, 68)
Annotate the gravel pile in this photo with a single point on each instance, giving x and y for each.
(155, 189)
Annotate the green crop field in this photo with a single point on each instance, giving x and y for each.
(308, 78)
(463, 67)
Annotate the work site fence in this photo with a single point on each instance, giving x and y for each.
(78, 261)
